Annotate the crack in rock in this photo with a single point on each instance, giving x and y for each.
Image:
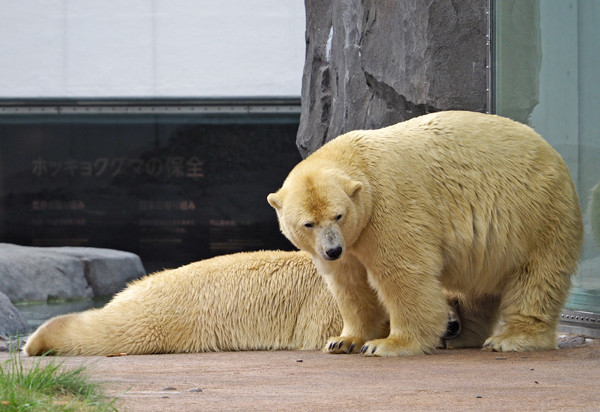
(393, 99)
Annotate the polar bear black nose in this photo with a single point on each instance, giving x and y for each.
(334, 252)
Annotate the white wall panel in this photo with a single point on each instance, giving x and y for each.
(151, 48)
(31, 47)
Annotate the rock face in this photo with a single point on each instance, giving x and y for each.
(372, 63)
(31, 273)
(35, 273)
(106, 271)
(11, 320)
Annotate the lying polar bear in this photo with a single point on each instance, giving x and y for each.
(246, 301)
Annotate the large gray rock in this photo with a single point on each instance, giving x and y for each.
(107, 271)
(373, 63)
(32, 273)
(36, 274)
(11, 320)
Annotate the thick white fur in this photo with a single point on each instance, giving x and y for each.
(246, 301)
(475, 206)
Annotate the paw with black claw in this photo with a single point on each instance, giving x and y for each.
(520, 342)
(390, 346)
(366, 348)
(343, 344)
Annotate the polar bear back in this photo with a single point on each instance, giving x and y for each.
(488, 190)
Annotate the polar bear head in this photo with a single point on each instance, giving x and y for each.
(320, 211)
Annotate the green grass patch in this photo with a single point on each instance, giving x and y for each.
(46, 385)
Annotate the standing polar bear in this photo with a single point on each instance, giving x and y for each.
(474, 206)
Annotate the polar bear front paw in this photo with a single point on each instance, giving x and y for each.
(391, 346)
(344, 344)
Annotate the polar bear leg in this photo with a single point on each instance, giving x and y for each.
(418, 313)
(364, 317)
(530, 307)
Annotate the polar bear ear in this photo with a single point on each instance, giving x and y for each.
(353, 187)
(274, 200)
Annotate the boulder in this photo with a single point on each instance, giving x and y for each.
(11, 320)
(370, 64)
(35, 273)
(28, 273)
(106, 271)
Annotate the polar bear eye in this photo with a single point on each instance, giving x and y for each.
(338, 217)
(309, 225)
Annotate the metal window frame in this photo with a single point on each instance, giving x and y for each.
(580, 323)
(490, 58)
(266, 105)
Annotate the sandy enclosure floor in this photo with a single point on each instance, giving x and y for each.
(565, 379)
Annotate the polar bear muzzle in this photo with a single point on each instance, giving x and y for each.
(330, 242)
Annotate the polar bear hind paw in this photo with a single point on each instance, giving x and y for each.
(520, 343)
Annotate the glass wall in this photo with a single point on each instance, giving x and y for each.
(547, 55)
(173, 187)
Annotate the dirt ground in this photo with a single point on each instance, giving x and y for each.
(565, 379)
